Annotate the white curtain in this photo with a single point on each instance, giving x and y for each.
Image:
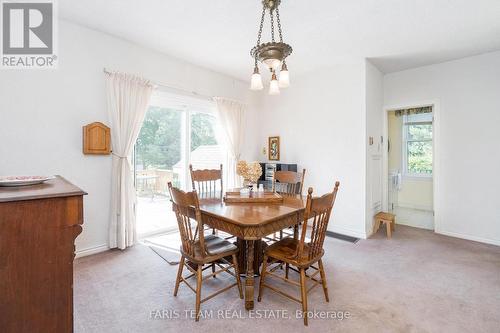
(127, 101)
(230, 115)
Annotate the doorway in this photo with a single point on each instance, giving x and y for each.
(410, 165)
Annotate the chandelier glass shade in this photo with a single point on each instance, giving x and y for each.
(274, 88)
(272, 54)
(256, 81)
(284, 77)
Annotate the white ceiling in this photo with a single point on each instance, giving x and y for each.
(218, 34)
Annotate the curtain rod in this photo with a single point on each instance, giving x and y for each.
(193, 93)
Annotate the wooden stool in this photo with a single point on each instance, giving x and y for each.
(389, 220)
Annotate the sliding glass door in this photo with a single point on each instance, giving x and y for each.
(172, 136)
(159, 152)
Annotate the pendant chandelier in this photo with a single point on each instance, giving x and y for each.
(272, 54)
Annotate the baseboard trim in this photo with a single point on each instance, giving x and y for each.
(468, 237)
(91, 250)
(347, 231)
(414, 206)
(343, 237)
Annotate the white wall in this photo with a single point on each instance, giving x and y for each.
(374, 95)
(467, 139)
(320, 119)
(42, 113)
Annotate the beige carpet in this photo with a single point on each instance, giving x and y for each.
(166, 246)
(416, 282)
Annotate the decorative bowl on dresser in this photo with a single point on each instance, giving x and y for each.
(38, 227)
(14, 181)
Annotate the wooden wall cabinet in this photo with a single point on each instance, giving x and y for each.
(96, 139)
(38, 227)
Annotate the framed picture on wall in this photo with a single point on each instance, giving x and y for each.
(274, 148)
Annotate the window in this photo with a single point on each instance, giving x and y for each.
(417, 145)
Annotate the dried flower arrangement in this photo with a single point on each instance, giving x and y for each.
(250, 171)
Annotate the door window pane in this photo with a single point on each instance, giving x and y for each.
(159, 160)
(206, 152)
(173, 135)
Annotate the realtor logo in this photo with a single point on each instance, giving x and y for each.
(28, 30)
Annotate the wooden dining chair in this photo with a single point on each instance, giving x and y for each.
(198, 250)
(206, 181)
(302, 255)
(287, 183)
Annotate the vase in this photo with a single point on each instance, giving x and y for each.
(248, 183)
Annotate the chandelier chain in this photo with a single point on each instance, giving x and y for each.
(279, 24)
(272, 53)
(261, 25)
(272, 25)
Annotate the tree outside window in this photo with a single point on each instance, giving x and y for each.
(160, 150)
(417, 131)
(159, 142)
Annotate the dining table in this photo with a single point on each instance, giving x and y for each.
(250, 222)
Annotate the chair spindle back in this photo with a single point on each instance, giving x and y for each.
(318, 210)
(288, 182)
(205, 181)
(184, 205)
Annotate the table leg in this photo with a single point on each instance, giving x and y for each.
(296, 228)
(249, 282)
(258, 249)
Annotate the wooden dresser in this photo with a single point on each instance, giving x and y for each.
(38, 227)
